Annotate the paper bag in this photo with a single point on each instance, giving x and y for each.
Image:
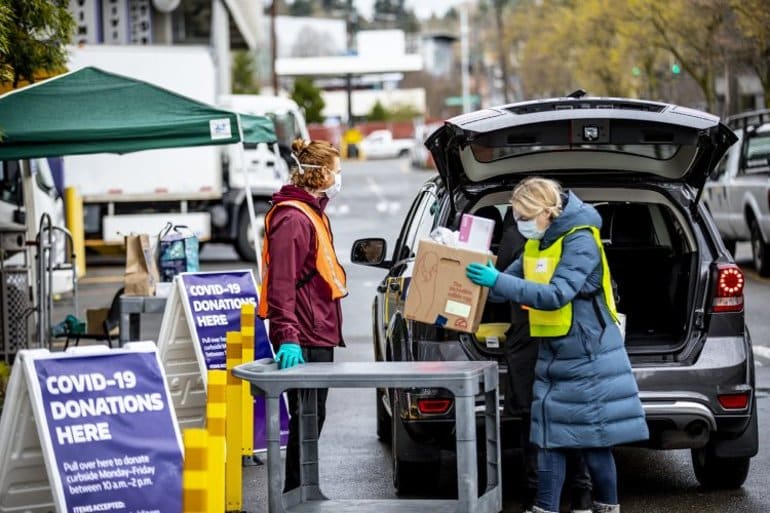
(177, 252)
(141, 272)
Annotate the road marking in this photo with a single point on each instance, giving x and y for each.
(375, 188)
(762, 351)
(337, 210)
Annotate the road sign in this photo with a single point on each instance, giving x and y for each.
(457, 101)
(105, 427)
(200, 310)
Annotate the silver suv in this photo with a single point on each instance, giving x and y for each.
(643, 165)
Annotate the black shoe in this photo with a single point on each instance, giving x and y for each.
(581, 499)
(530, 494)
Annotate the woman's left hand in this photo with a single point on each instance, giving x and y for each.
(484, 275)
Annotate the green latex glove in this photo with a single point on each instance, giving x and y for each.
(484, 275)
(289, 355)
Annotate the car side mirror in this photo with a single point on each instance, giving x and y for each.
(369, 252)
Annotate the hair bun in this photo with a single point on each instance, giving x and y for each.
(299, 145)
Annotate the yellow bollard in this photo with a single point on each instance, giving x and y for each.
(74, 218)
(247, 355)
(195, 473)
(233, 471)
(216, 415)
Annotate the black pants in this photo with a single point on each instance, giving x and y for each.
(310, 354)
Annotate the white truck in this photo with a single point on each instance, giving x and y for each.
(267, 168)
(738, 192)
(380, 144)
(140, 192)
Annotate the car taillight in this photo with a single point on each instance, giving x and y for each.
(734, 401)
(433, 406)
(728, 296)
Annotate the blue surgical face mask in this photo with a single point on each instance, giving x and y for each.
(529, 229)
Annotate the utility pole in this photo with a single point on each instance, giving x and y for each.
(220, 40)
(464, 58)
(273, 46)
(501, 49)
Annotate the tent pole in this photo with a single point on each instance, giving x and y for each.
(250, 202)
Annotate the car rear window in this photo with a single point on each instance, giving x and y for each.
(489, 154)
(758, 153)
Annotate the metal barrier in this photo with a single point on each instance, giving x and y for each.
(466, 380)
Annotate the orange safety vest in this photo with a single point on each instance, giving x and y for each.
(326, 262)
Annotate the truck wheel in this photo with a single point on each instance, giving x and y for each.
(760, 251)
(403, 153)
(244, 244)
(719, 473)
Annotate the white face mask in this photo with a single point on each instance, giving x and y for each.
(335, 188)
(529, 229)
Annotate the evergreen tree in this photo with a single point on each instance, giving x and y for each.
(308, 97)
(302, 8)
(378, 113)
(244, 71)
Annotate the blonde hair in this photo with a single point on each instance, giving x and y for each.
(317, 160)
(535, 195)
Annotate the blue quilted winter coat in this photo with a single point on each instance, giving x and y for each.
(585, 394)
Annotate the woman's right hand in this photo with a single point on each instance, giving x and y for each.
(289, 355)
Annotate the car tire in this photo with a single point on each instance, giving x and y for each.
(403, 153)
(411, 476)
(384, 422)
(244, 243)
(760, 251)
(719, 473)
(415, 477)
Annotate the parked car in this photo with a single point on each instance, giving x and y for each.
(419, 155)
(380, 144)
(738, 193)
(643, 166)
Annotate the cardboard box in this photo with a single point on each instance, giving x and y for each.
(439, 292)
(475, 233)
(95, 318)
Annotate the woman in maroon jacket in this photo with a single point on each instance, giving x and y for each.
(303, 281)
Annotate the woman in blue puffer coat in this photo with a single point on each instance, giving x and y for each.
(585, 395)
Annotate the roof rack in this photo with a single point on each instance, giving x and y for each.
(751, 118)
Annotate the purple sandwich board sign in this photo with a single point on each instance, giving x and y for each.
(212, 301)
(107, 429)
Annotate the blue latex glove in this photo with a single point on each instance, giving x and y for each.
(484, 275)
(289, 355)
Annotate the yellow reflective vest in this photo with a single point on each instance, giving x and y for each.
(539, 266)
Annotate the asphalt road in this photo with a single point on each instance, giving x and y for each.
(354, 464)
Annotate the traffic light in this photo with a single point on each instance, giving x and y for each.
(676, 69)
(636, 71)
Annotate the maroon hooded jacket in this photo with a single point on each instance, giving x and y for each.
(306, 314)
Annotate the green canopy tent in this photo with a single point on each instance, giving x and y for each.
(94, 111)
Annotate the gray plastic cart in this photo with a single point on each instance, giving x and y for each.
(466, 380)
